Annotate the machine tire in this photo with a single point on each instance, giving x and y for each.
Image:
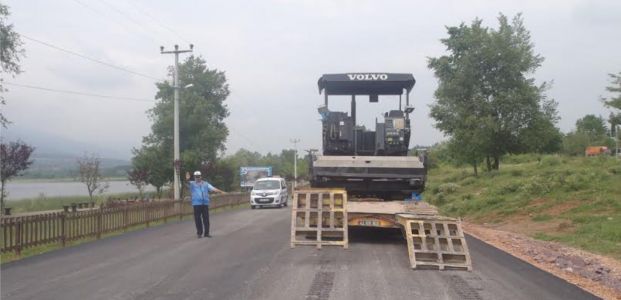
(253, 206)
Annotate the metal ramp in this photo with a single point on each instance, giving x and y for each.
(319, 218)
(435, 242)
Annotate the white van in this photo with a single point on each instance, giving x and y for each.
(270, 191)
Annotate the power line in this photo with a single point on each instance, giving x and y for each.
(127, 16)
(89, 58)
(103, 15)
(157, 22)
(76, 92)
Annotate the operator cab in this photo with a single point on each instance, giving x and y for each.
(343, 136)
(368, 162)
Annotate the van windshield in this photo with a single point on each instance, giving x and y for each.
(267, 185)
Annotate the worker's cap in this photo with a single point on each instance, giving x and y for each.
(197, 173)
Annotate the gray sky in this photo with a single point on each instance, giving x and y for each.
(273, 52)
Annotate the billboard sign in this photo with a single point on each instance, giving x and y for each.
(248, 175)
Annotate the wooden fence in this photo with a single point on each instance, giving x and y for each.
(21, 232)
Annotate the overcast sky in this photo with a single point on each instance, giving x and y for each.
(273, 52)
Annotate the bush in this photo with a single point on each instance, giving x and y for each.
(492, 173)
(521, 158)
(576, 182)
(516, 172)
(468, 181)
(536, 185)
(615, 170)
(448, 188)
(551, 161)
(440, 199)
(509, 188)
(463, 174)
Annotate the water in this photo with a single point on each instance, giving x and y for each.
(32, 189)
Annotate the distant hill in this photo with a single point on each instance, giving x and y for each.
(49, 165)
(56, 156)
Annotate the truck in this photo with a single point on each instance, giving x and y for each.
(365, 177)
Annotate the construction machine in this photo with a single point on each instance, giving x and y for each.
(366, 177)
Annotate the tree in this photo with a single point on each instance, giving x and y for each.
(592, 126)
(590, 131)
(90, 174)
(201, 123)
(157, 165)
(614, 102)
(11, 52)
(14, 158)
(139, 178)
(615, 87)
(485, 92)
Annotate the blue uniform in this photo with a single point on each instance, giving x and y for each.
(200, 192)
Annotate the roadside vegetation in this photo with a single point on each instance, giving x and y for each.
(44, 203)
(572, 200)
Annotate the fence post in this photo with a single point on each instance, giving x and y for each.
(180, 210)
(18, 237)
(147, 215)
(63, 238)
(99, 215)
(125, 218)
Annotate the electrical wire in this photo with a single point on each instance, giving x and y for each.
(89, 58)
(76, 92)
(127, 16)
(157, 22)
(117, 22)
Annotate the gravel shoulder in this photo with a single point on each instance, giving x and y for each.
(597, 274)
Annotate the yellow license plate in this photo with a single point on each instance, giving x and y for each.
(375, 223)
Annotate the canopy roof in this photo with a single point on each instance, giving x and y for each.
(366, 83)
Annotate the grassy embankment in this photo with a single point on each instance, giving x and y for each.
(572, 200)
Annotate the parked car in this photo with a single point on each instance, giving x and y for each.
(269, 192)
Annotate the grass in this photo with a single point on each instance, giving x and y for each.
(60, 179)
(43, 202)
(11, 256)
(584, 194)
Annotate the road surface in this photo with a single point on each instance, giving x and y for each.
(249, 258)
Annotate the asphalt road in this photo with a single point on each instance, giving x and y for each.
(249, 258)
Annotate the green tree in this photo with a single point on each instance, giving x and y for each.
(592, 126)
(14, 158)
(202, 131)
(11, 52)
(615, 87)
(89, 170)
(590, 131)
(614, 102)
(485, 91)
(157, 163)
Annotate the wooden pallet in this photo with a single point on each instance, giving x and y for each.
(319, 214)
(435, 242)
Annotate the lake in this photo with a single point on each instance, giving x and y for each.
(32, 189)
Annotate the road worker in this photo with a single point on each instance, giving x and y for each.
(200, 190)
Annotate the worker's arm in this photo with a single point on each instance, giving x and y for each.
(215, 189)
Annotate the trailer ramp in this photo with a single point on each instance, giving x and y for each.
(321, 217)
(435, 242)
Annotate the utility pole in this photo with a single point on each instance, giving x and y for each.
(177, 161)
(617, 152)
(295, 161)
